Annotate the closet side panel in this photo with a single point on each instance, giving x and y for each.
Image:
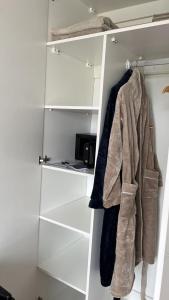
(164, 287)
(161, 285)
(23, 30)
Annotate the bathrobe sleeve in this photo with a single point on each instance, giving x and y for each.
(114, 161)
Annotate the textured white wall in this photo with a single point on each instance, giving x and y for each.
(23, 29)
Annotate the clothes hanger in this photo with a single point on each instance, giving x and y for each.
(166, 90)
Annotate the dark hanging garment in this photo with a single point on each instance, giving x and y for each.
(109, 229)
(108, 245)
(97, 193)
(5, 295)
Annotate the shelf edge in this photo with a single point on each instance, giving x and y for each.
(61, 280)
(57, 107)
(66, 171)
(109, 32)
(49, 220)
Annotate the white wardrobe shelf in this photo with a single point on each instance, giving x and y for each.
(75, 216)
(78, 38)
(157, 25)
(65, 170)
(73, 108)
(69, 266)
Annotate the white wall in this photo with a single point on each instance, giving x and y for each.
(23, 28)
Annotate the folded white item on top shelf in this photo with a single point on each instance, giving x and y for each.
(96, 24)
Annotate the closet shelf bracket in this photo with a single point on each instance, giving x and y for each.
(43, 159)
(55, 50)
(88, 4)
(114, 40)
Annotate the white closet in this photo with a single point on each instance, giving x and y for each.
(79, 74)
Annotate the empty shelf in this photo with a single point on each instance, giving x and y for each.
(64, 292)
(69, 266)
(74, 108)
(75, 215)
(90, 172)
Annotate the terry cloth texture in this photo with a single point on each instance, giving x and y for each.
(132, 179)
(160, 17)
(97, 193)
(109, 229)
(96, 24)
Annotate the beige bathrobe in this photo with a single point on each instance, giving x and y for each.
(132, 178)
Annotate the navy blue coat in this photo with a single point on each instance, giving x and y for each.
(109, 229)
(97, 193)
